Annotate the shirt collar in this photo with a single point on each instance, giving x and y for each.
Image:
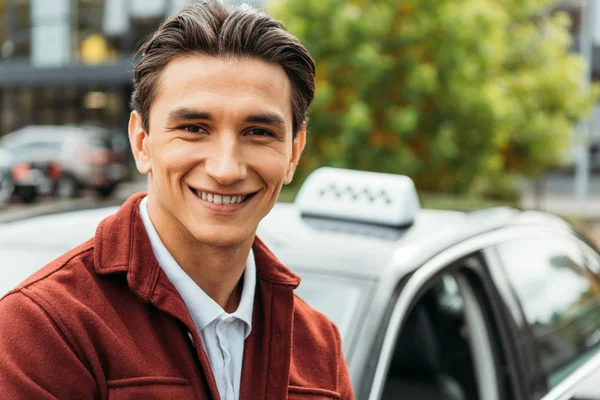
(246, 306)
(202, 308)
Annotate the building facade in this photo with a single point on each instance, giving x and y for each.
(71, 61)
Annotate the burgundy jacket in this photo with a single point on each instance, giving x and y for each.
(103, 321)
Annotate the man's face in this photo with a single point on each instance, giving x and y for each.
(219, 149)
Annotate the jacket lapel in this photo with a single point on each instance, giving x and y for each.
(267, 353)
(167, 299)
(125, 248)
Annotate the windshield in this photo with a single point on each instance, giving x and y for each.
(337, 298)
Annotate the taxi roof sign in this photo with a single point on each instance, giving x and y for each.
(361, 196)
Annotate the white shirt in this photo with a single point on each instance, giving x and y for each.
(222, 334)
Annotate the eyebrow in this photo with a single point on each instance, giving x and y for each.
(266, 118)
(185, 114)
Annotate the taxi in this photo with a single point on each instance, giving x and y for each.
(440, 305)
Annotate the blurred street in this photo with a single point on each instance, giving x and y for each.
(562, 184)
(556, 195)
(17, 210)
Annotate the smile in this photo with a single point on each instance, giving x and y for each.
(222, 199)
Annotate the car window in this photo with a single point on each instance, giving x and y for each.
(96, 143)
(435, 355)
(560, 299)
(119, 142)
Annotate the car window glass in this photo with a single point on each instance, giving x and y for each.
(54, 145)
(560, 299)
(432, 358)
(96, 143)
(119, 142)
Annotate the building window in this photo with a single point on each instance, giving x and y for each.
(15, 29)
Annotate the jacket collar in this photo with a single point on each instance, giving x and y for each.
(122, 246)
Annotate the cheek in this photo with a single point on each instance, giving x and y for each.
(271, 167)
(173, 155)
(171, 161)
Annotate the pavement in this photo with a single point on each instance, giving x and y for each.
(87, 200)
(585, 216)
(565, 205)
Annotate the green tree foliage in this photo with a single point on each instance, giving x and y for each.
(461, 95)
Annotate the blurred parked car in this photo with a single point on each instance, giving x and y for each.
(33, 173)
(72, 157)
(489, 305)
(26, 180)
(7, 186)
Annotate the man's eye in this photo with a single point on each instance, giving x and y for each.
(192, 128)
(260, 132)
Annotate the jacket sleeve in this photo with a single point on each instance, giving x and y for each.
(36, 360)
(344, 384)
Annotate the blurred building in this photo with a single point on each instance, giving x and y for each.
(576, 10)
(70, 61)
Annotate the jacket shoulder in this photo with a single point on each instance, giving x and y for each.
(71, 262)
(70, 293)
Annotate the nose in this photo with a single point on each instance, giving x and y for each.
(225, 162)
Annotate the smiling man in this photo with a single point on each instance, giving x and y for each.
(175, 297)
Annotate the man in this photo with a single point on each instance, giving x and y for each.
(175, 297)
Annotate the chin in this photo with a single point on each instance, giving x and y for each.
(224, 239)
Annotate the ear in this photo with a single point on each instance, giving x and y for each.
(297, 147)
(138, 138)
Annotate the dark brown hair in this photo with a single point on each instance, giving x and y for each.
(214, 29)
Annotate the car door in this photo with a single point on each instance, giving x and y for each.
(446, 342)
(552, 278)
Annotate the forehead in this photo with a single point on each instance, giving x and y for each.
(225, 84)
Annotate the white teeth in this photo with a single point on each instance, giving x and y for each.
(220, 199)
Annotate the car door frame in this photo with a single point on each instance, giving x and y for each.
(409, 291)
(533, 379)
(565, 389)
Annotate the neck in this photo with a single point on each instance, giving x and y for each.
(216, 270)
(219, 271)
